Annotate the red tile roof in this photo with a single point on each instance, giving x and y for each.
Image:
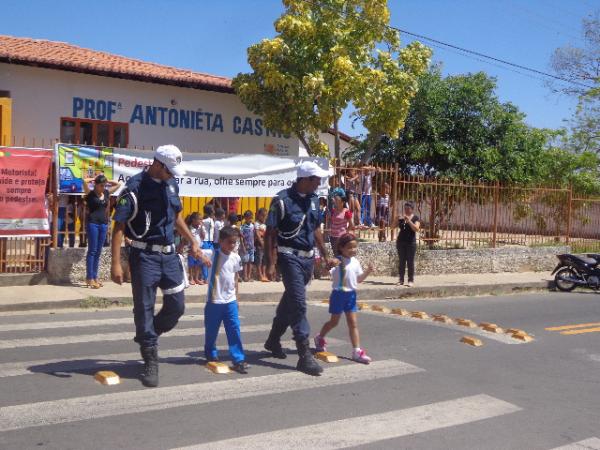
(63, 56)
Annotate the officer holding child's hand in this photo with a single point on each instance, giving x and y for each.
(293, 229)
(147, 213)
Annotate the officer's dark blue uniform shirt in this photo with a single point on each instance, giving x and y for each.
(295, 218)
(149, 208)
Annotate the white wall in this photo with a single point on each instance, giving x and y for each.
(328, 139)
(42, 96)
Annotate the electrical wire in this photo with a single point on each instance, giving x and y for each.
(487, 58)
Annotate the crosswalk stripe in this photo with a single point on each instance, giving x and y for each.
(84, 323)
(103, 337)
(14, 369)
(588, 444)
(572, 327)
(139, 401)
(366, 430)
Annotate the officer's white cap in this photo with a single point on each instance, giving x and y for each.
(311, 169)
(171, 157)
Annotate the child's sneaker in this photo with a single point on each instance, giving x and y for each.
(360, 356)
(241, 367)
(320, 343)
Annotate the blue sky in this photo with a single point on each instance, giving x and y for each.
(212, 36)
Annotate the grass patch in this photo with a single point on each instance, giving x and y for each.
(585, 247)
(102, 302)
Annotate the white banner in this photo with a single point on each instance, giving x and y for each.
(210, 175)
(207, 175)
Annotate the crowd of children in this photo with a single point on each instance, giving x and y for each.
(250, 247)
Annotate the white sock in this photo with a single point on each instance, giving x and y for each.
(357, 349)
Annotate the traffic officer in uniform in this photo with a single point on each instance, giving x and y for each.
(147, 212)
(293, 231)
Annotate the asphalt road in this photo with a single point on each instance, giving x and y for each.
(424, 389)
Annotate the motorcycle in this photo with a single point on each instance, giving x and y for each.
(576, 270)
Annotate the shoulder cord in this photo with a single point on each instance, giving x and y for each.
(134, 215)
(286, 235)
(212, 287)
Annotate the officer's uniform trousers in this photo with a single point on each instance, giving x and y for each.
(296, 272)
(149, 271)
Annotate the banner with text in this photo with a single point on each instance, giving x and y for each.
(23, 177)
(207, 175)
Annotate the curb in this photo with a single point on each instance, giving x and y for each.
(391, 293)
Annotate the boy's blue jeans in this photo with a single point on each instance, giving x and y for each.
(214, 314)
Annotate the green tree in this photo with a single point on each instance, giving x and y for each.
(328, 54)
(458, 128)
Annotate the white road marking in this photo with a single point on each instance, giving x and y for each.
(139, 401)
(117, 359)
(366, 430)
(103, 337)
(85, 323)
(588, 444)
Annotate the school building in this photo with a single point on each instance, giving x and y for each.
(54, 91)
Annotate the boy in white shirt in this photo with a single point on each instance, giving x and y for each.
(221, 301)
(345, 279)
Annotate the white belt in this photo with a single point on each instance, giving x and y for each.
(293, 251)
(154, 248)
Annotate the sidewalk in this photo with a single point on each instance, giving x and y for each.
(17, 298)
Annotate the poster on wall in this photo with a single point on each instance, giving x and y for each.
(23, 178)
(207, 175)
(78, 162)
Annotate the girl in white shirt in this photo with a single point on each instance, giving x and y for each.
(345, 277)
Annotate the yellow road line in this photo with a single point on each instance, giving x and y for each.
(570, 327)
(587, 330)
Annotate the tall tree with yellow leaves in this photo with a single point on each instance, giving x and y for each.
(327, 55)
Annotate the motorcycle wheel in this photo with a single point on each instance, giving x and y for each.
(561, 283)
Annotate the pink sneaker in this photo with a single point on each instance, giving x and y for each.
(360, 356)
(320, 343)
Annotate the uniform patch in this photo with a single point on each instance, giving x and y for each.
(172, 189)
(123, 201)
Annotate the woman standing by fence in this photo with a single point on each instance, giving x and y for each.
(97, 201)
(341, 218)
(406, 243)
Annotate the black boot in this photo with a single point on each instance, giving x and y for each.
(306, 362)
(150, 375)
(273, 343)
(275, 348)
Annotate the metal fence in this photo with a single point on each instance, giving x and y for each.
(453, 214)
(459, 214)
